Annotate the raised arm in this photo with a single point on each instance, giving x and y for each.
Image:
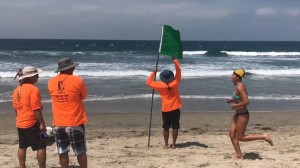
(178, 70)
(154, 84)
(177, 79)
(150, 80)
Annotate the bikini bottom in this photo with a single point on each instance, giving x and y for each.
(237, 114)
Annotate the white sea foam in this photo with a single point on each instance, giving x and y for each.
(185, 73)
(265, 97)
(201, 97)
(194, 52)
(275, 97)
(254, 53)
(113, 73)
(279, 72)
(204, 73)
(111, 53)
(121, 97)
(5, 53)
(212, 97)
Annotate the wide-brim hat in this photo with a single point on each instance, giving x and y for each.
(29, 71)
(166, 76)
(65, 64)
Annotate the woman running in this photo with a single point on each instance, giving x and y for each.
(240, 119)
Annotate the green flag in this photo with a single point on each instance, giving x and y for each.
(170, 43)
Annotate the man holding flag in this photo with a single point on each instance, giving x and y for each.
(168, 87)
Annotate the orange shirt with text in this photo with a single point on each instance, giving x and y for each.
(68, 93)
(169, 93)
(26, 99)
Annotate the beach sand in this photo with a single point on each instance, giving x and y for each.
(121, 139)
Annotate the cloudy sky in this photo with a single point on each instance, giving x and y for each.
(140, 19)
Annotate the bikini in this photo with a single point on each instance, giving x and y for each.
(235, 98)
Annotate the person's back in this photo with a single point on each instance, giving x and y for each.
(67, 92)
(69, 116)
(169, 92)
(168, 88)
(30, 122)
(26, 99)
(170, 96)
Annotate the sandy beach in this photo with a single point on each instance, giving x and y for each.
(120, 140)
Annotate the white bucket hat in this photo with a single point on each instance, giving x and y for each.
(29, 71)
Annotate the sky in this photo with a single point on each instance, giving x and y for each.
(224, 20)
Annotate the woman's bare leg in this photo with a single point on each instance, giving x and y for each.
(234, 140)
(242, 122)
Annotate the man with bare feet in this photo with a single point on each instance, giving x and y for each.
(168, 88)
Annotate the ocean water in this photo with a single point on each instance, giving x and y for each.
(115, 72)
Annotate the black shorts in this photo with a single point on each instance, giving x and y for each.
(31, 137)
(171, 119)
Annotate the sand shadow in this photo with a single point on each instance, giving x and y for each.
(188, 144)
(252, 156)
(69, 167)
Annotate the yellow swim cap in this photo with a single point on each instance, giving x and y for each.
(240, 72)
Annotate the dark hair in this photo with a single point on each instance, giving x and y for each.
(238, 76)
(27, 80)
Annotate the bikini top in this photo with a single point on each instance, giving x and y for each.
(235, 97)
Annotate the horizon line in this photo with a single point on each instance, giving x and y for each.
(147, 40)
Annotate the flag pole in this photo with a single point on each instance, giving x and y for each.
(151, 109)
(150, 123)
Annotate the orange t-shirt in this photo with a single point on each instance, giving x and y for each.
(26, 99)
(67, 92)
(169, 93)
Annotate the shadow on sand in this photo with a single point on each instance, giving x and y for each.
(188, 144)
(69, 167)
(252, 156)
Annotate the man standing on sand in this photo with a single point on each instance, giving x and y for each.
(69, 116)
(168, 88)
(30, 123)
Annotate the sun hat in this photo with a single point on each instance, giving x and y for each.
(29, 71)
(166, 76)
(240, 72)
(65, 64)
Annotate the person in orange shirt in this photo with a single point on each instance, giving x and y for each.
(168, 88)
(30, 123)
(69, 116)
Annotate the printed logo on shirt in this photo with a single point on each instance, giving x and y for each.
(171, 92)
(62, 97)
(19, 104)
